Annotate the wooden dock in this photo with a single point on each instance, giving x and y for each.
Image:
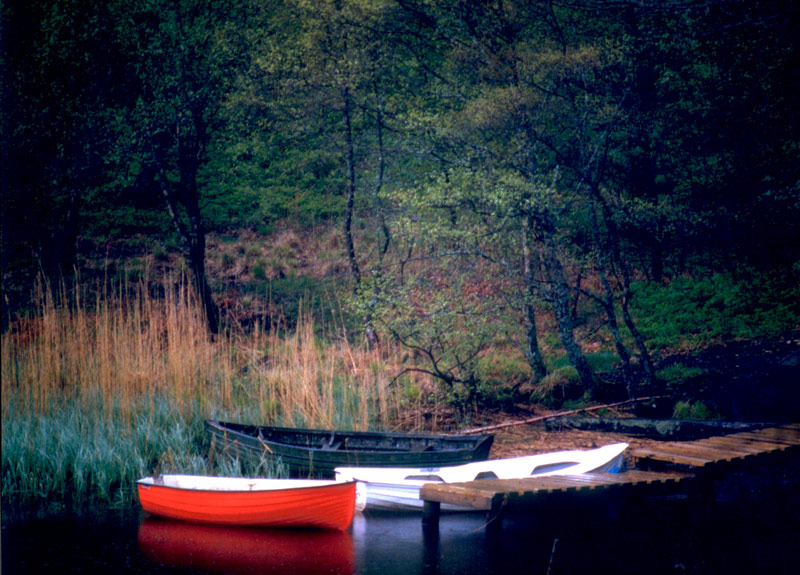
(679, 463)
(717, 452)
(496, 495)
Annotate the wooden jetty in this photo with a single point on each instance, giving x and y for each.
(679, 463)
(497, 495)
(717, 452)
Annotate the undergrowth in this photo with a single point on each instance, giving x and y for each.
(689, 313)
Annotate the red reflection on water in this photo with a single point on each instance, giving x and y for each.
(246, 549)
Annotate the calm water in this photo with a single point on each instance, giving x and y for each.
(747, 523)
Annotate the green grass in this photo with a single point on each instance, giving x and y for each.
(678, 373)
(79, 451)
(688, 312)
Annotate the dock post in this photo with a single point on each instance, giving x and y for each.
(494, 518)
(430, 514)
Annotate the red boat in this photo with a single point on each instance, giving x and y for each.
(253, 502)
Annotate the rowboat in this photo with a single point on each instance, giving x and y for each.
(314, 452)
(253, 502)
(397, 489)
(197, 548)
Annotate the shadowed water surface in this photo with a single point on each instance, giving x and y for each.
(746, 523)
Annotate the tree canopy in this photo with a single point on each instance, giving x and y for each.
(488, 161)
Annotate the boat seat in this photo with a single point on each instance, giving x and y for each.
(550, 467)
(486, 475)
(331, 443)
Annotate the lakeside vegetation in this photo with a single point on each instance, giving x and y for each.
(102, 385)
(114, 384)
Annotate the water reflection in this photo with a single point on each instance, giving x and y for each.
(396, 543)
(246, 550)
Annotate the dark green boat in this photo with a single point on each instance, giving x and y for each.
(316, 452)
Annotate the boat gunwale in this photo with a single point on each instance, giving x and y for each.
(321, 484)
(222, 426)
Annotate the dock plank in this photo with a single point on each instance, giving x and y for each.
(723, 449)
(458, 494)
(646, 454)
(773, 435)
(702, 450)
(479, 494)
(738, 444)
(709, 452)
(747, 444)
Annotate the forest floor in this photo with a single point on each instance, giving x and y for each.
(754, 381)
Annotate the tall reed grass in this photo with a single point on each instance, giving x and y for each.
(104, 384)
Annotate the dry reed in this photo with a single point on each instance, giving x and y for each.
(118, 361)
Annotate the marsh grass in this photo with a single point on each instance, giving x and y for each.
(106, 384)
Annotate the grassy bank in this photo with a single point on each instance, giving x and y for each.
(104, 385)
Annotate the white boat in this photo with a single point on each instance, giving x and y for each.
(397, 489)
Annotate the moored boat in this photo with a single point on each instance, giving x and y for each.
(397, 489)
(254, 502)
(315, 452)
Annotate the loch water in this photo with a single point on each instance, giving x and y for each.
(745, 522)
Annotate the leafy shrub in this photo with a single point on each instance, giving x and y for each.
(695, 410)
(690, 312)
(558, 387)
(677, 373)
(258, 271)
(602, 361)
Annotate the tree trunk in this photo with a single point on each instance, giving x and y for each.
(608, 301)
(613, 326)
(647, 364)
(193, 235)
(532, 351)
(355, 271)
(559, 293)
(197, 261)
(613, 235)
(64, 250)
(350, 190)
(565, 331)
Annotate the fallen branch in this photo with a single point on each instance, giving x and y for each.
(559, 414)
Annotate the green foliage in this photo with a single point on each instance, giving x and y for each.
(602, 361)
(695, 410)
(490, 140)
(678, 373)
(689, 312)
(259, 272)
(504, 367)
(560, 386)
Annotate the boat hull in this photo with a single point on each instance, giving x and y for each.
(306, 452)
(249, 502)
(398, 489)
